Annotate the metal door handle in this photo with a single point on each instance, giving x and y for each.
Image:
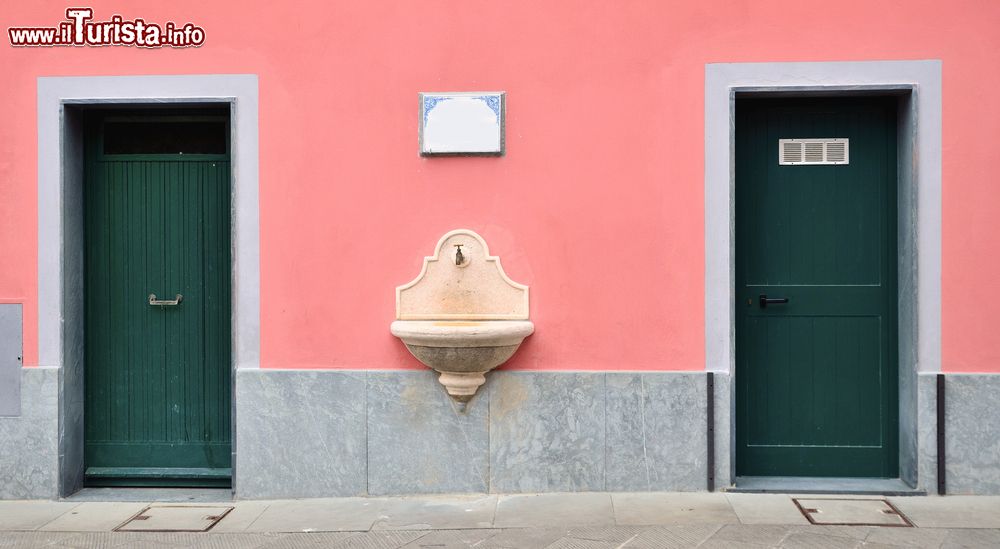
(764, 300)
(165, 302)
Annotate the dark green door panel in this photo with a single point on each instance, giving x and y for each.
(157, 378)
(816, 377)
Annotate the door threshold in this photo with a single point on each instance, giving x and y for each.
(158, 477)
(153, 495)
(825, 485)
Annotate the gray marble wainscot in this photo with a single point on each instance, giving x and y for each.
(547, 432)
(972, 430)
(300, 434)
(29, 456)
(656, 432)
(418, 440)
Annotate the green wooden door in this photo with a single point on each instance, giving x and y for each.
(816, 376)
(156, 201)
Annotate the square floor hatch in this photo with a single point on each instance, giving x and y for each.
(175, 518)
(853, 512)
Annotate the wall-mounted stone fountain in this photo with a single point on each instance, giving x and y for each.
(462, 316)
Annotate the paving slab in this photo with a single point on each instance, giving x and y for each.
(765, 509)
(971, 538)
(922, 538)
(235, 541)
(818, 541)
(318, 515)
(858, 533)
(672, 508)
(574, 543)
(244, 514)
(523, 538)
(663, 537)
(316, 540)
(32, 539)
(90, 540)
(381, 540)
(453, 539)
(31, 515)
(580, 509)
(437, 513)
(727, 544)
(951, 511)
(605, 533)
(764, 535)
(95, 517)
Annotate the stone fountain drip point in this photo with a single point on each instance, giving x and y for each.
(462, 316)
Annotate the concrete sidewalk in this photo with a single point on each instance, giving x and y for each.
(582, 520)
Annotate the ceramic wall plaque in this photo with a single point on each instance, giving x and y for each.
(462, 123)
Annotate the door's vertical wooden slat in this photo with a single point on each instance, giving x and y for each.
(156, 284)
(140, 307)
(870, 389)
(218, 352)
(207, 235)
(133, 362)
(119, 411)
(757, 379)
(173, 339)
(108, 356)
(191, 317)
(217, 305)
(800, 371)
(823, 399)
(208, 376)
(106, 360)
(849, 364)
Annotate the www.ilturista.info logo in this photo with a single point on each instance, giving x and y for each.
(80, 30)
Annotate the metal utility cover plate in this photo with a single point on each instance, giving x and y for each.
(853, 512)
(174, 518)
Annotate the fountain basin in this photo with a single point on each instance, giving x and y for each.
(462, 351)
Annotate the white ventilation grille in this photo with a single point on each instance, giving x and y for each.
(811, 152)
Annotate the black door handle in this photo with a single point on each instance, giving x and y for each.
(764, 300)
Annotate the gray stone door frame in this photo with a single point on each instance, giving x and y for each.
(918, 86)
(61, 101)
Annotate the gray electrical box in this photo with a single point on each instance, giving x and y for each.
(10, 359)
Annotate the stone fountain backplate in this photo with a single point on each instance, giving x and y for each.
(478, 289)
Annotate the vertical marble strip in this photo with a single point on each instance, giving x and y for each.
(926, 433)
(724, 434)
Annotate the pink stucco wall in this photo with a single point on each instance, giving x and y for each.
(598, 204)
